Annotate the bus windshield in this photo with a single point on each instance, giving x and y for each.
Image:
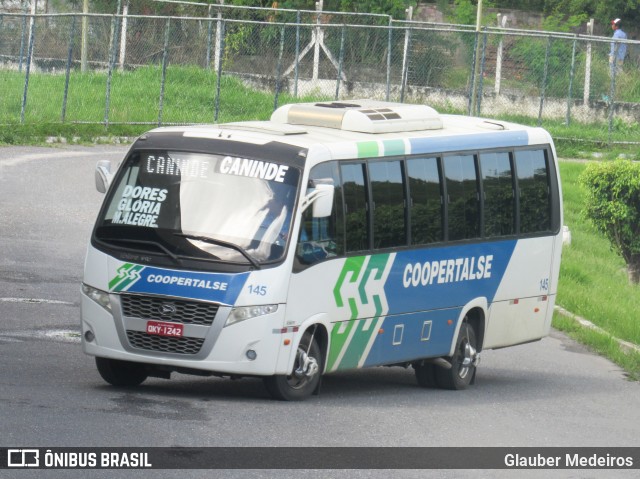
(201, 206)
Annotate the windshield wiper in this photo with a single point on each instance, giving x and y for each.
(162, 248)
(226, 244)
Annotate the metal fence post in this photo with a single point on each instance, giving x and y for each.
(587, 66)
(388, 94)
(502, 23)
(165, 55)
(115, 31)
(219, 52)
(68, 70)
(85, 37)
(317, 35)
(123, 34)
(405, 55)
(22, 37)
(209, 38)
(217, 59)
(476, 54)
(543, 87)
(28, 71)
(571, 76)
(481, 76)
(340, 60)
(279, 68)
(297, 61)
(612, 91)
(472, 80)
(112, 55)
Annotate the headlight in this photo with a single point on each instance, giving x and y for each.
(98, 296)
(248, 312)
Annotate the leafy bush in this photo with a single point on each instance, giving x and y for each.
(613, 206)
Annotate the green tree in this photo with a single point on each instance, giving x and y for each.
(602, 12)
(613, 206)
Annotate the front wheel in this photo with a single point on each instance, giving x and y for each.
(121, 373)
(304, 378)
(463, 362)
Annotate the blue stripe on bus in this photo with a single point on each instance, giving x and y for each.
(410, 336)
(502, 139)
(216, 287)
(437, 278)
(426, 290)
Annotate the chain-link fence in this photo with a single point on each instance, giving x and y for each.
(221, 67)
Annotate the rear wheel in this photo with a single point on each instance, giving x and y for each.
(121, 373)
(304, 378)
(463, 362)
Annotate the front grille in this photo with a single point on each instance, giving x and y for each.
(164, 344)
(186, 312)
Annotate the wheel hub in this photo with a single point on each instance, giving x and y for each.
(307, 366)
(470, 358)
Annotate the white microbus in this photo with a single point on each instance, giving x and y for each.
(334, 236)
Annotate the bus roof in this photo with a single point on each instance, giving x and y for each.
(369, 128)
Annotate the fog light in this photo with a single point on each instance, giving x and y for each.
(251, 355)
(89, 336)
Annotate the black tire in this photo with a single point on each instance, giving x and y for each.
(425, 374)
(298, 386)
(463, 368)
(121, 373)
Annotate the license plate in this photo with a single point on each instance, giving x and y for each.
(164, 329)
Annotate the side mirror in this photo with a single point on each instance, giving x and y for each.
(103, 175)
(320, 196)
(323, 201)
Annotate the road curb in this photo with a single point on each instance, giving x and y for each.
(625, 345)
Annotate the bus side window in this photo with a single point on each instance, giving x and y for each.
(499, 199)
(387, 191)
(463, 207)
(322, 238)
(425, 200)
(533, 183)
(355, 207)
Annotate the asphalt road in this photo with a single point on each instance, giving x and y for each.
(549, 393)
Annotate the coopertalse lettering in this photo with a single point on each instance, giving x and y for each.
(253, 169)
(447, 271)
(187, 282)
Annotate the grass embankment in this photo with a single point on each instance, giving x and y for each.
(593, 283)
(190, 96)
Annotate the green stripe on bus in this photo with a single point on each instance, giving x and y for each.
(376, 263)
(368, 149)
(338, 341)
(122, 275)
(352, 265)
(394, 147)
(133, 277)
(357, 345)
